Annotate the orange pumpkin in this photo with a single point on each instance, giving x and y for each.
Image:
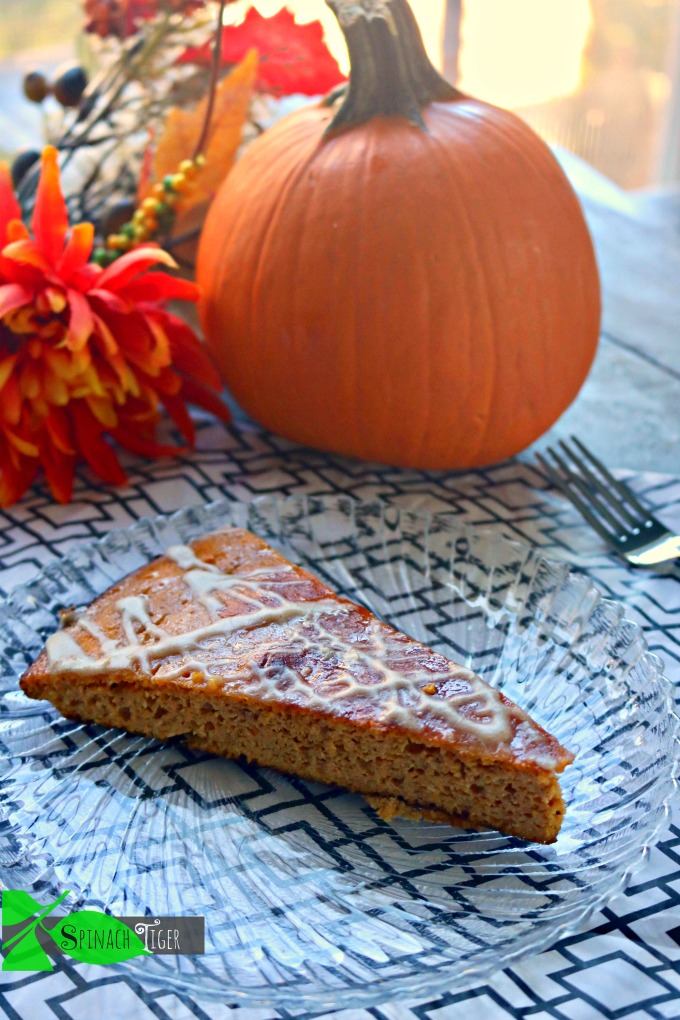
(403, 274)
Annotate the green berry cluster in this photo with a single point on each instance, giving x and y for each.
(156, 214)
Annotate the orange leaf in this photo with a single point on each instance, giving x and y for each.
(293, 57)
(182, 130)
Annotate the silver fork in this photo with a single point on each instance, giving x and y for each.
(609, 506)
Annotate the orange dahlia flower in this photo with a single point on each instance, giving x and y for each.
(87, 354)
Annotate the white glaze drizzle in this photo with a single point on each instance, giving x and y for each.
(185, 557)
(124, 657)
(393, 696)
(203, 583)
(135, 609)
(63, 651)
(106, 644)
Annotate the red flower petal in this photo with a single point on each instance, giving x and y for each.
(86, 277)
(112, 301)
(106, 336)
(161, 287)
(50, 219)
(17, 231)
(11, 401)
(94, 448)
(134, 340)
(15, 481)
(9, 207)
(137, 343)
(77, 251)
(59, 429)
(26, 253)
(24, 446)
(194, 393)
(130, 265)
(103, 410)
(167, 381)
(189, 355)
(13, 296)
(6, 368)
(144, 447)
(161, 350)
(176, 408)
(81, 322)
(59, 469)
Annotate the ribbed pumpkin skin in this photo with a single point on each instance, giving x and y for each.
(424, 299)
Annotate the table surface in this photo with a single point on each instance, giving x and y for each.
(627, 962)
(628, 407)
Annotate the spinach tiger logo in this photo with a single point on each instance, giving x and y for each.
(89, 936)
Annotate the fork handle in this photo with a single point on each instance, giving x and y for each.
(656, 552)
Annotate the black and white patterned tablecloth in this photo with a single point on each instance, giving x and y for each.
(627, 963)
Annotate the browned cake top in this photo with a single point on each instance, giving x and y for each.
(229, 613)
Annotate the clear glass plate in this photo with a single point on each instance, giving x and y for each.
(311, 901)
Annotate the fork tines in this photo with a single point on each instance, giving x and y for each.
(608, 505)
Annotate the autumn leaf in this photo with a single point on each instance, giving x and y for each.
(293, 58)
(182, 129)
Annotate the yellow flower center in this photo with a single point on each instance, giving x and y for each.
(44, 372)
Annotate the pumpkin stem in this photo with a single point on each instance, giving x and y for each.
(391, 75)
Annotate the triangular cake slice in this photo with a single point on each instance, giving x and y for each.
(228, 645)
